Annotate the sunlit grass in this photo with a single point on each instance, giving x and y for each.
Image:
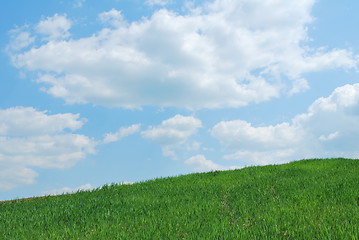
(310, 199)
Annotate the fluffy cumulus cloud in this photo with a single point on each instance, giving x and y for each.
(121, 133)
(225, 53)
(54, 28)
(12, 175)
(330, 128)
(173, 132)
(22, 121)
(112, 17)
(201, 164)
(31, 138)
(241, 133)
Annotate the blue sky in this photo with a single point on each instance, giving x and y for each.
(100, 92)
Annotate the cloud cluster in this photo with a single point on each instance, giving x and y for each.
(173, 132)
(225, 53)
(330, 128)
(30, 138)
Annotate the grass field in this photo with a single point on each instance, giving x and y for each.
(308, 199)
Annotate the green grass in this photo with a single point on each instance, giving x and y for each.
(308, 199)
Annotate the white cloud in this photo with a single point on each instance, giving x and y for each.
(240, 133)
(329, 137)
(112, 17)
(173, 132)
(342, 99)
(121, 133)
(15, 175)
(330, 128)
(227, 53)
(55, 28)
(47, 151)
(27, 121)
(20, 38)
(264, 157)
(66, 190)
(30, 138)
(299, 85)
(201, 164)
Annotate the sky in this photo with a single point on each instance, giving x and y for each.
(122, 91)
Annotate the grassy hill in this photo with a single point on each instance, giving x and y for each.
(308, 199)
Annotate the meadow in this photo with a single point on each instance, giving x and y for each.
(308, 199)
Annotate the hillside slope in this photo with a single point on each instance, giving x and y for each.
(308, 199)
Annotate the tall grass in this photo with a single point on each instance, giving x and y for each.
(309, 199)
